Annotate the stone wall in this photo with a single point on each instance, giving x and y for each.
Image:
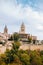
(31, 47)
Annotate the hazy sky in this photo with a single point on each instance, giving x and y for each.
(14, 12)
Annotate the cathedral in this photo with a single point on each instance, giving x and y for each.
(22, 34)
(6, 30)
(22, 28)
(4, 36)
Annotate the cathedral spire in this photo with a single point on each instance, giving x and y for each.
(5, 29)
(22, 29)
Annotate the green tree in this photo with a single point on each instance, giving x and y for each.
(15, 36)
(30, 39)
(35, 58)
(2, 59)
(42, 59)
(34, 41)
(7, 57)
(15, 47)
(41, 52)
(25, 59)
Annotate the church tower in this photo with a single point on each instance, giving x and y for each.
(5, 29)
(22, 29)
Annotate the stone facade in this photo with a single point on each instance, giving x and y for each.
(23, 35)
(6, 30)
(22, 28)
(4, 36)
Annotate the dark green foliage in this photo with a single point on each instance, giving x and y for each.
(34, 41)
(30, 39)
(21, 57)
(15, 37)
(7, 57)
(25, 59)
(41, 52)
(35, 59)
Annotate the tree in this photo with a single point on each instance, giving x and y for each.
(35, 58)
(41, 53)
(15, 47)
(17, 59)
(30, 39)
(2, 58)
(7, 57)
(25, 59)
(1, 61)
(34, 41)
(15, 36)
(42, 59)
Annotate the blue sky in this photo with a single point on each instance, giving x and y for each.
(14, 12)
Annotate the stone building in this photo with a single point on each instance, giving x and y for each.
(23, 35)
(22, 29)
(6, 30)
(4, 36)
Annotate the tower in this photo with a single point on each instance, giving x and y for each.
(5, 29)
(22, 29)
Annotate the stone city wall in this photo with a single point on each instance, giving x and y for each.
(31, 47)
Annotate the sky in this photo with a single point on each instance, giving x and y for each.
(14, 12)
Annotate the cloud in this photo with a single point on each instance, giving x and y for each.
(40, 27)
(13, 13)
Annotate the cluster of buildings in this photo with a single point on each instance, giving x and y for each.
(4, 36)
(22, 34)
(23, 38)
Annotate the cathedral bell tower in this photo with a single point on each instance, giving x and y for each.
(5, 29)
(22, 29)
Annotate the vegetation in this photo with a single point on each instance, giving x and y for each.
(20, 57)
(14, 37)
(30, 39)
(34, 41)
